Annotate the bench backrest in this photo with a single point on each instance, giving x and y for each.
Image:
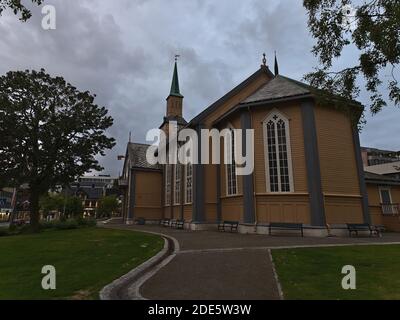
(358, 225)
(231, 222)
(286, 225)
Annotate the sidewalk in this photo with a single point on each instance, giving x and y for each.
(212, 266)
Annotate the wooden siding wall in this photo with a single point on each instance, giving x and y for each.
(338, 166)
(231, 206)
(148, 195)
(288, 207)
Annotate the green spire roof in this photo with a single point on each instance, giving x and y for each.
(175, 83)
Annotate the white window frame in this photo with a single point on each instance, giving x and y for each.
(177, 184)
(187, 187)
(168, 185)
(390, 194)
(227, 166)
(285, 119)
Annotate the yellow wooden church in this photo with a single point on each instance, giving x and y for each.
(308, 166)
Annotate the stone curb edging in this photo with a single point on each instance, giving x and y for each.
(147, 269)
(278, 284)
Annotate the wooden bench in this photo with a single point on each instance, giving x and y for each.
(232, 225)
(165, 222)
(172, 223)
(357, 227)
(180, 224)
(140, 221)
(286, 226)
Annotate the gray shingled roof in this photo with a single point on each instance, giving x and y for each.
(278, 87)
(137, 156)
(380, 179)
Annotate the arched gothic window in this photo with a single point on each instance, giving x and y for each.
(231, 178)
(279, 172)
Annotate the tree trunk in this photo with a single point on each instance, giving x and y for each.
(34, 210)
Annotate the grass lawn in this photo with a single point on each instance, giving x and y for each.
(315, 273)
(85, 260)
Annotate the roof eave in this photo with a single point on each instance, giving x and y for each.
(242, 105)
(202, 115)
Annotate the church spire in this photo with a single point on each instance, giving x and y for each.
(276, 65)
(175, 81)
(175, 99)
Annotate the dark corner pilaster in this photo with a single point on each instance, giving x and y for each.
(199, 180)
(183, 195)
(163, 199)
(172, 193)
(248, 180)
(131, 197)
(361, 176)
(219, 205)
(313, 164)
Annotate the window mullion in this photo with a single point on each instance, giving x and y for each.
(278, 165)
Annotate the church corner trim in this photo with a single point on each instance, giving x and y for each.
(314, 181)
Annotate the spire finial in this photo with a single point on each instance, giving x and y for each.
(175, 80)
(264, 60)
(276, 65)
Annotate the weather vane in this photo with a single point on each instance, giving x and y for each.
(176, 57)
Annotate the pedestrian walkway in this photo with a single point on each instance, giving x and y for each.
(214, 265)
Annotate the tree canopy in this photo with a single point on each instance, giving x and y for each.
(18, 8)
(373, 28)
(107, 206)
(50, 132)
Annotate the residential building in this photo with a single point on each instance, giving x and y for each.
(91, 189)
(373, 156)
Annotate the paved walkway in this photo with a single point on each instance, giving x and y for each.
(210, 265)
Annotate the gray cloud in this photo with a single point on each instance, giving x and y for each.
(123, 51)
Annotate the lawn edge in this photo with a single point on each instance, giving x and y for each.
(278, 283)
(134, 279)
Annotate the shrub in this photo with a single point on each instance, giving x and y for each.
(66, 225)
(86, 222)
(3, 232)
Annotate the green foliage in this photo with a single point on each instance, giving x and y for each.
(374, 29)
(73, 207)
(3, 232)
(68, 224)
(107, 205)
(51, 133)
(48, 203)
(18, 8)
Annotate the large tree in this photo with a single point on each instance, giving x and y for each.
(373, 29)
(107, 206)
(50, 133)
(18, 8)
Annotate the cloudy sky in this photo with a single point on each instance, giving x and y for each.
(123, 51)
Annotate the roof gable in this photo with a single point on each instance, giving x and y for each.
(278, 87)
(213, 107)
(137, 157)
